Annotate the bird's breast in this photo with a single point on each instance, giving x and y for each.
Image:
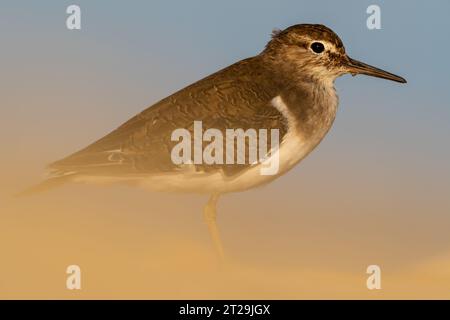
(307, 122)
(312, 109)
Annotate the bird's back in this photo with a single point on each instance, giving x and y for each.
(236, 97)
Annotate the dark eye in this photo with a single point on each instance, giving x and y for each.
(317, 47)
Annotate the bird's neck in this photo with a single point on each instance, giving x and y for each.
(314, 106)
(310, 97)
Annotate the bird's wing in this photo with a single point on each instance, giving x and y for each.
(235, 97)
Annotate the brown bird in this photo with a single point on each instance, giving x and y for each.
(287, 89)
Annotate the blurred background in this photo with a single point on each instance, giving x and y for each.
(376, 191)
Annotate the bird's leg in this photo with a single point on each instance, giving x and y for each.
(209, 214)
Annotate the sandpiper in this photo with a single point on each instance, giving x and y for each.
(288, 87)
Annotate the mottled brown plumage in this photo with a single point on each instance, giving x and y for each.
(235, 97)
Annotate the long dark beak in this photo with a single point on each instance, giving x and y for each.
(356, 67)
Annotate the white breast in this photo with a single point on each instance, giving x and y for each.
(292, 149)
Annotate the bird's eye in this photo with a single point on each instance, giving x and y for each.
(317, 47)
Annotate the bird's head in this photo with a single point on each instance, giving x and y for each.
(315, 51)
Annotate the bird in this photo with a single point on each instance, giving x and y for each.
(287, 88)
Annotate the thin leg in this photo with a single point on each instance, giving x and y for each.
(209, 214)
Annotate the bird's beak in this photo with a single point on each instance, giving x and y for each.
(356, 67)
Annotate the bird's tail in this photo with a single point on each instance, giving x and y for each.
(46, 185)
